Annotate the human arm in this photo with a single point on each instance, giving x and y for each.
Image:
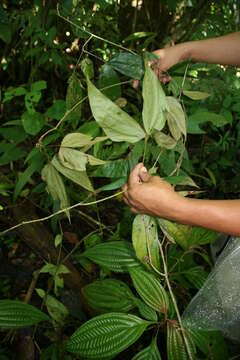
(224, 50)
(151, 195)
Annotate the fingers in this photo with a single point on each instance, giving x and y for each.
(134, 178)
(135, 84)
(144, 175)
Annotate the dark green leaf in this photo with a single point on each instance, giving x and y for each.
(32, 122)
(117, 256)
(109, 295)
(74, 96)
(128, 64)
(107, 78)
(106, 335)
(149, 353)
(17, 314)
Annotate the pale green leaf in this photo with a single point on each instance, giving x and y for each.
(196, 95)
(106, 335)
(79, 177)
(109, 295)
(150, 289)
(55, 186)
(163, 140)
(145, 240)
(176, 118)
(58, 240)
(77, 160)
(154, 101)
(117, 256)
(76, 140)
(149, 353)
(116, 123)
(16, 314)
(187, 236)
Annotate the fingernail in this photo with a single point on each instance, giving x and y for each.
(144, 169)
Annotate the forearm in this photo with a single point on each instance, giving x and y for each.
(223, 50)
(219, 215)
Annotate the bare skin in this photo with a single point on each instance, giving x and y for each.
(224, 50)
(147, 194)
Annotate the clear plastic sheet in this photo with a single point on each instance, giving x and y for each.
(217, 305)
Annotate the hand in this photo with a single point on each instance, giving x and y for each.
(147, 194)
(167, 58)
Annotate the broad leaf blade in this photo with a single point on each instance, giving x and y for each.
(16, 314)
(116, 123)
(164, 141)
(108, 78)
(145, 240)
(55, 186)
(117, 256)
(76, 140)
(145, 311)
(128, 64)
(73, 97)
(79, 177)
(149, 353)
(176, 348)
(176, 118)
(150, 289)
(106, 335)
(109, 295)
(196, 95)
(154, 102)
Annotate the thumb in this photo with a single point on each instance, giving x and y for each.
(144, 175)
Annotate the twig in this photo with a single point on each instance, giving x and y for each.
(174, 302)
(93, 35)
(60, 212)
(31, 287)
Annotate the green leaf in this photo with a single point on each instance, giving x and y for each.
(176, 348)
(145, 240)
(145, 311)
(128, 64)
(55, 186)
(150, 289)
(117, 256)
(113, 169)
(58, 240)
(74, 96)
(176, 118)
(109, 295)
(56, 309)
(116, 123)
(36, 165)
(87, 68)
(77, 160)
(5, 29)
(196, 276)
(79, 177)
(163, 140)
(154, 101)
(76, 140)
(149, 353)
(38, 86)
(16, 314)
(201, 117)
(57, 110)
(32, 122)
(106, 335)
(196, 95)
(107, 78)
(187, 236)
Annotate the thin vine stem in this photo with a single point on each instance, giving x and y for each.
(39, 143)
(174, 301)
(60, 212)
(93, 35)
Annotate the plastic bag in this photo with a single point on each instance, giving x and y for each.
(217, 305)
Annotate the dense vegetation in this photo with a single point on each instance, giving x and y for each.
(87, 281)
